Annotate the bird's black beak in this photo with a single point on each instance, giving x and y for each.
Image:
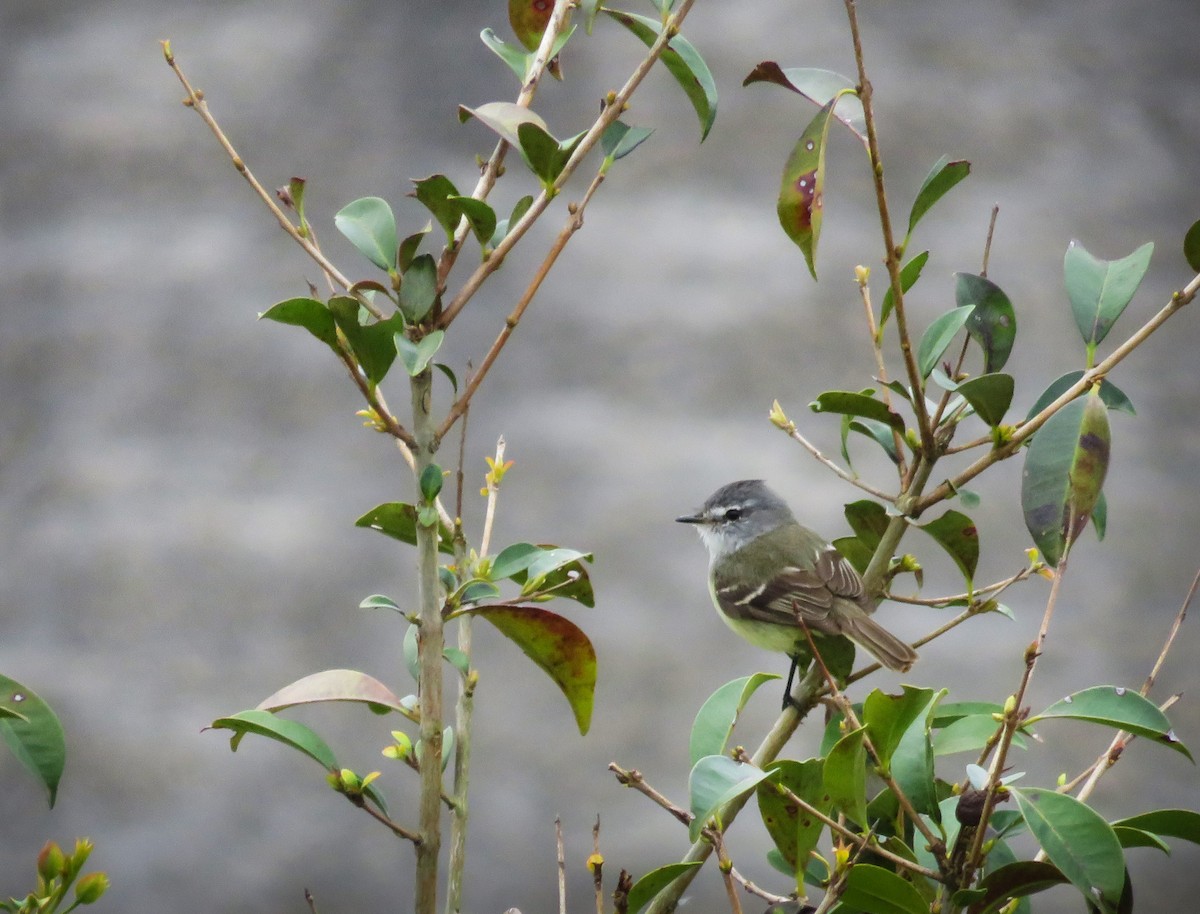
(690, 519)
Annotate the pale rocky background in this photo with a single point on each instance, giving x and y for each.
(179, 483)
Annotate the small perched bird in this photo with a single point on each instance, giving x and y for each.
(770, 577)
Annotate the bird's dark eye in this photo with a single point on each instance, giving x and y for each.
(733, 513)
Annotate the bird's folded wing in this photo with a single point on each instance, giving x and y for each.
(839, 575)
(792, 594)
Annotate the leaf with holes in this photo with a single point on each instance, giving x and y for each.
(801, 190)
(33, 733)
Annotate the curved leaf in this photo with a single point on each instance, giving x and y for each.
(1116, 707)
(369, 225)
(683, 62)
(1076, 840)
(714, 781)
(516, 59)
(332, 685)
(801, 201)
(555, 644)
(845, 775)
(819, 87)
(887, 717)
(655, 881)
(1100, 289)
(941, 178)
(717, 716)
(308, 313)
(956, 533)
(1114, 398)
(280, 729)
(399, 521)
(990, 395)
(1191, 246)
(416, 356)
(371, 343)
(874, 890)
(1064, 472)
(1015, 880)
(938, 337)
(993, 323)
(909, 274)
(504, 118)
(856, 404)
(1174, 823)
(33, 733)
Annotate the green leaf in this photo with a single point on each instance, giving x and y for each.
(514, 559)
(517, 60)
(878, 432)
(1064, 472)
(801, 203)
(909, 274)
(990, 395)
(912, 761)
(308, 313)
(846, 775)
(874, 890)
(1076, 840)
(1112, 396)
(683, 62)
(555, 644)
(714, 781)
(868, 519)
(1116, 707)
(968, 734)
(33, 733)
(434, 193)
(371, 343)
(939, 336)
(504, 225)
(717, 716)
(369, 225)
(419, 288)
(409, 247)
(863, 405)
(655, 881)
(399, 521)
(887, 717)
(619, 139)
(956, 533)
(545, 572)
(1137, 837)
(332, 685)
(412, 652)
(416, 356)
(431, 482)
(504, 118)
(819, 87)
(1100, 289)
(1015, 880)
(993, 323)
(794, 830)
(1191, 246)
(941, 178)
(1174, 823)
(479, 215)
(379, 601)
(280, 729)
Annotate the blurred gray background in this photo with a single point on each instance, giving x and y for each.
(179, 482)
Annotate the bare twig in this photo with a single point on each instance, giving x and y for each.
(562, 866)
(885, 392)
(725, 865)
(795, 435)
(633, 778)
(987, 245)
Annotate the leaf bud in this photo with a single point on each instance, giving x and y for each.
(862, 274)
(51, 861)
(90, 887)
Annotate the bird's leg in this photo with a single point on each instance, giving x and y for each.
(791, 678)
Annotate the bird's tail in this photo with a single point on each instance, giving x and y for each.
(886, 647)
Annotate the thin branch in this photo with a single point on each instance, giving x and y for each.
(725, 865)
(596, 864)
(574, 224)
(993, 589)
(885, 392)
(562, 866)
(794, 433)
(394, 827)
(633, 778)
(987, 245)
(612, 110)
(752, 889)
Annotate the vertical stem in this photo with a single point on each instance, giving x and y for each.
(430, 656)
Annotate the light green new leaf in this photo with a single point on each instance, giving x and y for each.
(938, 337)
(874, 890)
(1116, 707)
(1064, 472)
(644, 890)
(683, 62)
(714, 781)
(369, 225)
(416, 356)
(280, 729)
(717, 716)
(555, 644)
(308, 313)
(33, 733)
(941, 178)
(1100, 289)
(516, 59)
(1076, 840)
(801, 203)
(846, 775)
